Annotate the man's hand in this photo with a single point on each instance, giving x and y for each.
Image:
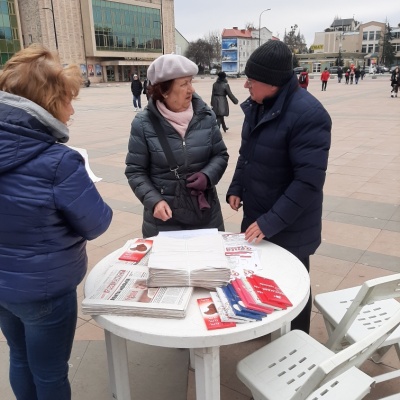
(235, 202)
(253, 233)
(162, 211)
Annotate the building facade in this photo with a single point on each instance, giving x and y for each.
(353, 42)
(10, 30)
(238, 44)
(110, 39)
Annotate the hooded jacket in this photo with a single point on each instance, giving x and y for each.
(49, 207)
(201, 150)
(281, 168)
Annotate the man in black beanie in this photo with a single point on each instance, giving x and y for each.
(282, 161)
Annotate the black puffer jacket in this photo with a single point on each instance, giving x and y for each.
(202, 149)
(219, 102)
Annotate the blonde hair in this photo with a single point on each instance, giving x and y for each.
(37, 74)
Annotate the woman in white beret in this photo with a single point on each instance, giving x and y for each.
(199, 155)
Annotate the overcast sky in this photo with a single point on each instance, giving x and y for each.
(196, 19)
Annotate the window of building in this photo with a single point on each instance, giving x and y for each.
(377, 35)
(376, 48)
(371, 35)
(9, 38)
(316, 67)
(365, 36)
(370, 48)
(124, 27)
(364, 48)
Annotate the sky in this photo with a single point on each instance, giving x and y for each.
(197, 19)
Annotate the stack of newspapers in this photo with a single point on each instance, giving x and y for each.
(188, 261)
(122, 290)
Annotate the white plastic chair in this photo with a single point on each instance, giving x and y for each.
(352, 313)
(296, 366)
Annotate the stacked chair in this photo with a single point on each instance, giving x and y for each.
(296, 366)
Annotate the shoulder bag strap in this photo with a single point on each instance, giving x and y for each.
(173, 165)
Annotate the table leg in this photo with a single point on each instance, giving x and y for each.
(207, 373)
(117, 357)
(285, 328)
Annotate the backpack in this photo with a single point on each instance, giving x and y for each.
(302, 78)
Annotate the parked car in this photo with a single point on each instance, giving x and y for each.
(333, 70)
(298, 70)
(392, 68)
(214, 71)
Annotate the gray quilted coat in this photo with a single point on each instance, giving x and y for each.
(201, 150)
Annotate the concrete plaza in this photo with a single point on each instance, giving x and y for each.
(361, 226)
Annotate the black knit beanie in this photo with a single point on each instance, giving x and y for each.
(270, 63)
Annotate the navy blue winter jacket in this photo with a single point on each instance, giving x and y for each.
(281, 168)
(49, 207)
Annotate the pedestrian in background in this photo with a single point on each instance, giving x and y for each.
(136, 89)
(49, 208)
(303, 79)
(347, 76)
(219, 102)
(324, 78)
(357, 74)
(339, 74)
(362, 73)
(282, 161)
(395, 81)
(145, 91)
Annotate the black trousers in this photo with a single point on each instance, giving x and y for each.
(221, 121)
(302, 321)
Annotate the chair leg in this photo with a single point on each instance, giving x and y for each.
(379, 354)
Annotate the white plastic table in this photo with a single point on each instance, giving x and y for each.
(191, 332)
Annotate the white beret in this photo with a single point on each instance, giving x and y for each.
(170, 66)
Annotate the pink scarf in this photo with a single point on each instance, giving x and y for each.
(180, 120)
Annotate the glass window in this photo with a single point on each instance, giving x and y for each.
(371, 35)
(364, 48)
(377, 35)
(365, 36)
(370, 48)
(127, 27)
(376, 48)
(316, 67)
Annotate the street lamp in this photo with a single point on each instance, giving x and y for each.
(340, 37)
(259, 27)
(54, 21)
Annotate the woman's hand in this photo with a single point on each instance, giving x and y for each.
(235, 202)
(162, 211)
(253, 233)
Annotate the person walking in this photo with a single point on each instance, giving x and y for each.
(324, 78)
(283, 157)
(49, 209)
(219, 102)
(136, 89)
(395, 82)
(339, 74)
(347, 76)
(351, 76)
(145, 92)
(357, 74)
(175, 112)
(303, 79)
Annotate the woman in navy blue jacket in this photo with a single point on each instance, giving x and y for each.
(49, 208)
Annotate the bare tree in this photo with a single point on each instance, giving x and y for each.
(200, 52)
(214, 39)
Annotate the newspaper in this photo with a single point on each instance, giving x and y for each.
(123, 291)
(188, 261)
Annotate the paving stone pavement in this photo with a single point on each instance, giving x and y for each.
(361, 226)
